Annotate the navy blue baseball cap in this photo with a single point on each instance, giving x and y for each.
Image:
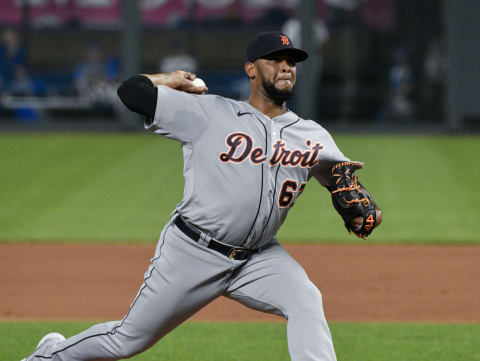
(270, 42)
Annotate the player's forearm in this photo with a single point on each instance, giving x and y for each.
(161, 79)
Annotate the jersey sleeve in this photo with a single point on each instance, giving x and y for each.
(179, 115)
(329, 157)
(139, 95)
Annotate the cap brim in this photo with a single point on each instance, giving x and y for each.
(298, 54)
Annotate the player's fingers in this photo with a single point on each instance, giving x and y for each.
(378, 217)
(356, 223)
(198, 90)
(190, 76)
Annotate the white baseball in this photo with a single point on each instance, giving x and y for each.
(198, 82)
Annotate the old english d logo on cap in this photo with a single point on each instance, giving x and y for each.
(271, 42)
(284, 40)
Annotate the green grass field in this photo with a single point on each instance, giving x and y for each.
(109, 188)
(267, 342)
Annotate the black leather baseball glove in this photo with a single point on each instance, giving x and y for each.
(351, 200)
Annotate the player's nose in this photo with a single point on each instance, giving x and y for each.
(285, 66)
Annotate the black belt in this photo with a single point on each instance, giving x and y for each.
(229, 251)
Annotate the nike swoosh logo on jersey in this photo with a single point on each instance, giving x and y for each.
(242, 113)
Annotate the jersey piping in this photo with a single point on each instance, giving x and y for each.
(261, 189)
(275, 187)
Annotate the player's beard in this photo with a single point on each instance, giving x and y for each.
(279, 96)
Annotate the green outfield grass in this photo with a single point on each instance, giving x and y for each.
(267, 342)
(109, 188)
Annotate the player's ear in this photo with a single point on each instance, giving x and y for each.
(250, 70)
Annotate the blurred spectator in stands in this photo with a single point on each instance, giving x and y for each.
(293, 28)
(435, 70)
(96, 77)
(178, 58)
(14, 78)
(401, 83)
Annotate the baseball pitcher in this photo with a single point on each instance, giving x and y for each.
(245, 164)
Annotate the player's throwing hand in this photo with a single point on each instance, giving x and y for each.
(178, 80)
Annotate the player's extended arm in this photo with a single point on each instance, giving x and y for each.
(139, 93)
(352, 201)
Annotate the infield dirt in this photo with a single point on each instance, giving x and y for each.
(358, 283)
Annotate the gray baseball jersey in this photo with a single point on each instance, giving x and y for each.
(243, 171)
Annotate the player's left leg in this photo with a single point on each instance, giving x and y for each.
(272, 281)
(181, 279)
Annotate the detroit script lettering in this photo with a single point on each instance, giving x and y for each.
(241, 147)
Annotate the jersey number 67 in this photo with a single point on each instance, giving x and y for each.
(287, 193)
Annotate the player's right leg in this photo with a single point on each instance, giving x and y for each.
(272, 281)
(182, 278)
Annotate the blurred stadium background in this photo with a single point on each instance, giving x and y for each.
(376, 64)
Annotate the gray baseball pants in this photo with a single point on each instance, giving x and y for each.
(185, 276)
